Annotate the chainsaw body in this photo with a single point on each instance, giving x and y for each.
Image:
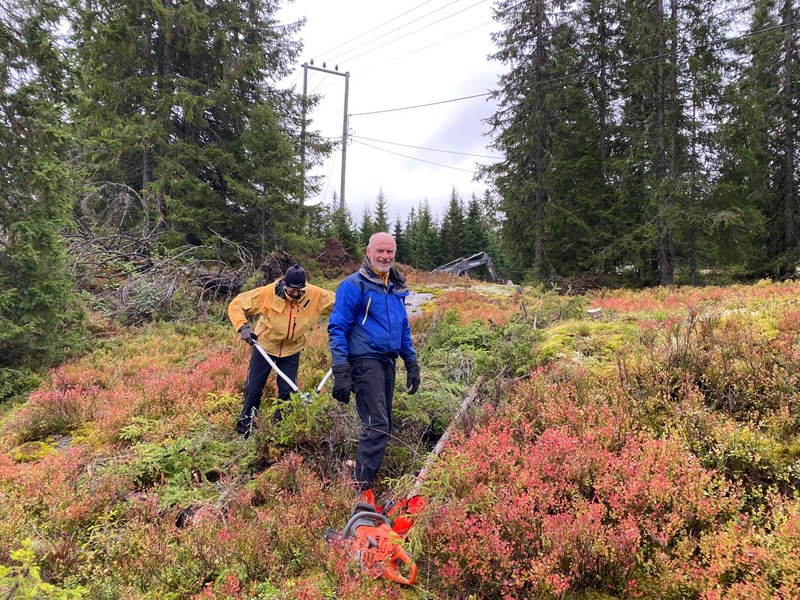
(373, 541)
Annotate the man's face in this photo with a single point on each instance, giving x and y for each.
(294, 293)
(381, 253)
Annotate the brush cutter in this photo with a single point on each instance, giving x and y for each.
(304, 395)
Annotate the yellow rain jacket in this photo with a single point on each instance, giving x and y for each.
(283, 323)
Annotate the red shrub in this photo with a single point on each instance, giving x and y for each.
(565, 509)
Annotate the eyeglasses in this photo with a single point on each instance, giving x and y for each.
(294, 289)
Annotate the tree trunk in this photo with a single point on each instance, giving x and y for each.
(789, 141)
(538, 251)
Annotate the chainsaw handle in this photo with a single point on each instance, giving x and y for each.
(365, 515)
(392, 568)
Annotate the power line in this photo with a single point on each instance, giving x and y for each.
(590, 71)
(412, 32)
(414, 158)
(396, 29)
(375, 112)
(447, 39)
(359, 137)
(372, 29)
(402, 56)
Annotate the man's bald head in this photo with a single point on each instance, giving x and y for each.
(380, 251)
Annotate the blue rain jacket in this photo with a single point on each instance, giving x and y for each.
(369, 318)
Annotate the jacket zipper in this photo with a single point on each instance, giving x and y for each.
(366, 311)
(289, 328)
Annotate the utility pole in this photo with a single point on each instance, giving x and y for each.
(345, 122)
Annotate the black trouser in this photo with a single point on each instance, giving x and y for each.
(257, 375)
(374, 385)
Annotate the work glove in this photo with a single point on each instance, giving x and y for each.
(412, 377)
(342, 383)
(247, 334)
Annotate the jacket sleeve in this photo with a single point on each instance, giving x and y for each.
(407, 352)
(326, 302)
(244, 307)
(342, 319)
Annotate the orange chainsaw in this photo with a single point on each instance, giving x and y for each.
(375, 544)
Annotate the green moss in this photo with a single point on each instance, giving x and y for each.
(31, 451)
(600, 341)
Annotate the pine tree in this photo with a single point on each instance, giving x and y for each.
(475, 229)
(400, 239)
(367, 227)
(178, 101)
(37, 323)
(451, 233)
(380, 220)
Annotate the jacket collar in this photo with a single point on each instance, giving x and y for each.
(396, 278)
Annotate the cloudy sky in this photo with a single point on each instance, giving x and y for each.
(400, 55)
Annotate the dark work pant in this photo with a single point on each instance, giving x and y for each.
(257, 375)
(374, 385)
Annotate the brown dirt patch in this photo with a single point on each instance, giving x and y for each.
(334, 261)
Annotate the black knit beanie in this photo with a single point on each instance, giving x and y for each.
(295, 277)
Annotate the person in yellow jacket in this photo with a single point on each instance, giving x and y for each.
(286, 309)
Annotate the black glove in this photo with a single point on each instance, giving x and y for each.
(247, 334)
(412, 377)
(342, 383)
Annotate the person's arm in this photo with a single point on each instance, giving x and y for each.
(326, 302)
(407, 352)
(342, 320)
(244, 307)
(409, 356)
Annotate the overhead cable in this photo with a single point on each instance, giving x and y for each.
(414, 158)
(392, 41)
(590, 71)
(372, 29)
(359, 137)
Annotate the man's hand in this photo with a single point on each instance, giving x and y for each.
(412, 377)
(342, 383)
(247, 334)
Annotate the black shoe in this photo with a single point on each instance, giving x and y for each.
(244, 428)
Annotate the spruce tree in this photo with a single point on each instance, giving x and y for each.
(343, 229)
(37, 321)
(367, 227)
(178, 101)
(475, 229)
(380, 219)
(451, 233)
(523, 126)
(400, 239)
(423, 239)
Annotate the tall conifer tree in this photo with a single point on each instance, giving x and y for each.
(36, 190)
(451, 233)
(169, 92)
(380, 218)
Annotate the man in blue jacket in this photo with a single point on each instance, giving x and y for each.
(367, 331)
